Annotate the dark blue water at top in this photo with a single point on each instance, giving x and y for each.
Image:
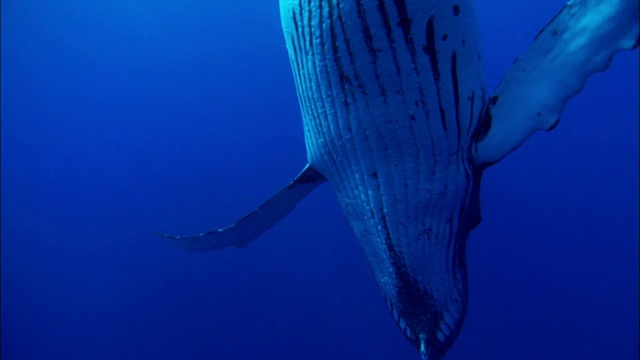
(122, 118)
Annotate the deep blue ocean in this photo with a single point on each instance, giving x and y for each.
(121, 118)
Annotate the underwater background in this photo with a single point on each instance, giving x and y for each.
(121, 118)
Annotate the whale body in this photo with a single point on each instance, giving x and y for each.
(397, 119)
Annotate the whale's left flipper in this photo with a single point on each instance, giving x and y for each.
(579, 41)
(258, 221)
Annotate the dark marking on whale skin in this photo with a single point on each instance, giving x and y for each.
(367, 34)
(388, 31)
(405, 22)
(416, 305)
(456, 90)
(431, 52)
(485, 119)
(349, 49)
(472, 100)
(456, 10)
(430, 47)
(473, 213)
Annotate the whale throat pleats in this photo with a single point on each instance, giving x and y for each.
(388, 91)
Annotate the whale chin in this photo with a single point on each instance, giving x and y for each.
(416, 249)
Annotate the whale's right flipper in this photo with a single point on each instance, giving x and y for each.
(251, 226)
(579, 41)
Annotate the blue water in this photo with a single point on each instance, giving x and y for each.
(121, 118)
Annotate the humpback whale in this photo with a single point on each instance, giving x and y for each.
(396, 117)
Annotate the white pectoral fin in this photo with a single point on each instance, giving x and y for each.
(252, 225)
(579, 41)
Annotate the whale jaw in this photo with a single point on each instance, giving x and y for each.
(416, 249)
